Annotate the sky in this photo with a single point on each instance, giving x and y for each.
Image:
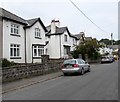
(104, 13)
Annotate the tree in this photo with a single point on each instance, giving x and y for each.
(105, 41)
(90, 47)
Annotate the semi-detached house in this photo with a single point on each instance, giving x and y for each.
(24, 41)
(21, 41)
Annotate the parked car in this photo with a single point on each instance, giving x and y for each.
(75, 66)
(106, 59)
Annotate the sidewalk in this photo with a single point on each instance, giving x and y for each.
(18, 84)
(7, 87)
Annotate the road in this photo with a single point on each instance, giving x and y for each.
(99, 84)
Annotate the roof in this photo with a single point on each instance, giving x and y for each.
(78, 35)
(28, 23)
(88, 38)
(59, 31)
(31, 22)
(8, 15)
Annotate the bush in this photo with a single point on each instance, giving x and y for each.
(7, 63)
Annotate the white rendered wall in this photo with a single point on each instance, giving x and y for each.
(10, 39)
(30, 37)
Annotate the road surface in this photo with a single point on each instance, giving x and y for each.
(99, 84)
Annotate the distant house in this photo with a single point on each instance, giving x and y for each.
(21, 41)
(81, 37)
(105, 50)
(60, 41)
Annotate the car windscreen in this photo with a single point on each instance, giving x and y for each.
(69, 62)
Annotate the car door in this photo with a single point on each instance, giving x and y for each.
(85, 65)
(80, 63)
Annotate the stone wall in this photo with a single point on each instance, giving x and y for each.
(30, 70)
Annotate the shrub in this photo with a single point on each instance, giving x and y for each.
(7, 63)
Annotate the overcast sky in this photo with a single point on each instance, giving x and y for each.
(104, 13)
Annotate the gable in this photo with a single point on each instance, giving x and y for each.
(32, 22)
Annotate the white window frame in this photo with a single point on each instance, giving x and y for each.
(14, 29)
(37, 33)
(14, 50)
(39, 50)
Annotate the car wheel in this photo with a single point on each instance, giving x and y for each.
(82, 71)
(65, 74)
(89, 69)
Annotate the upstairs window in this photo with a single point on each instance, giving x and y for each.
(37, 33)
(65, 37)
(15, 29)
(73, 41)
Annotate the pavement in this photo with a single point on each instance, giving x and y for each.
(11, 86)
(18, 84)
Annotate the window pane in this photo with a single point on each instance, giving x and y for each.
(35, 52)
(14, 45)
(11, 51)
(39, 52)
(15, 52)
(17, 45)
(35, 46)
(18, 52)
(35, 34)
(16, 31)
(43, 52)
(11, 30)
(11, 45)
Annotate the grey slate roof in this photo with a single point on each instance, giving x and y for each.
(28, 23)
(78, 35)
(59, 30)
(48, 27)
(8, 15)
(31, 21)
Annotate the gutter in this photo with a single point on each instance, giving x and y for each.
(60, 45)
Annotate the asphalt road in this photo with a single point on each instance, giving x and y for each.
(99, 84)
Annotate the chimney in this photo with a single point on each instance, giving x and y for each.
(57, 23)
(54, 24)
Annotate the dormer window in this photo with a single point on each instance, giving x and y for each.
(37, 33)
(14, 29)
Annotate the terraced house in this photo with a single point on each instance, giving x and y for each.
(21, 41)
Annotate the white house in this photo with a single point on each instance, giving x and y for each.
(105, 50)
(60, 42)
(21, 41)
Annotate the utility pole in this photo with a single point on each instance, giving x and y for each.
(111, 40)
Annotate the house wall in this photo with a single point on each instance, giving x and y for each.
(1, 36)
(8, 39)
(54, 47)
(30, 39)
(68, 43)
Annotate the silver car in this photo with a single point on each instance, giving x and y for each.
(75, 66)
